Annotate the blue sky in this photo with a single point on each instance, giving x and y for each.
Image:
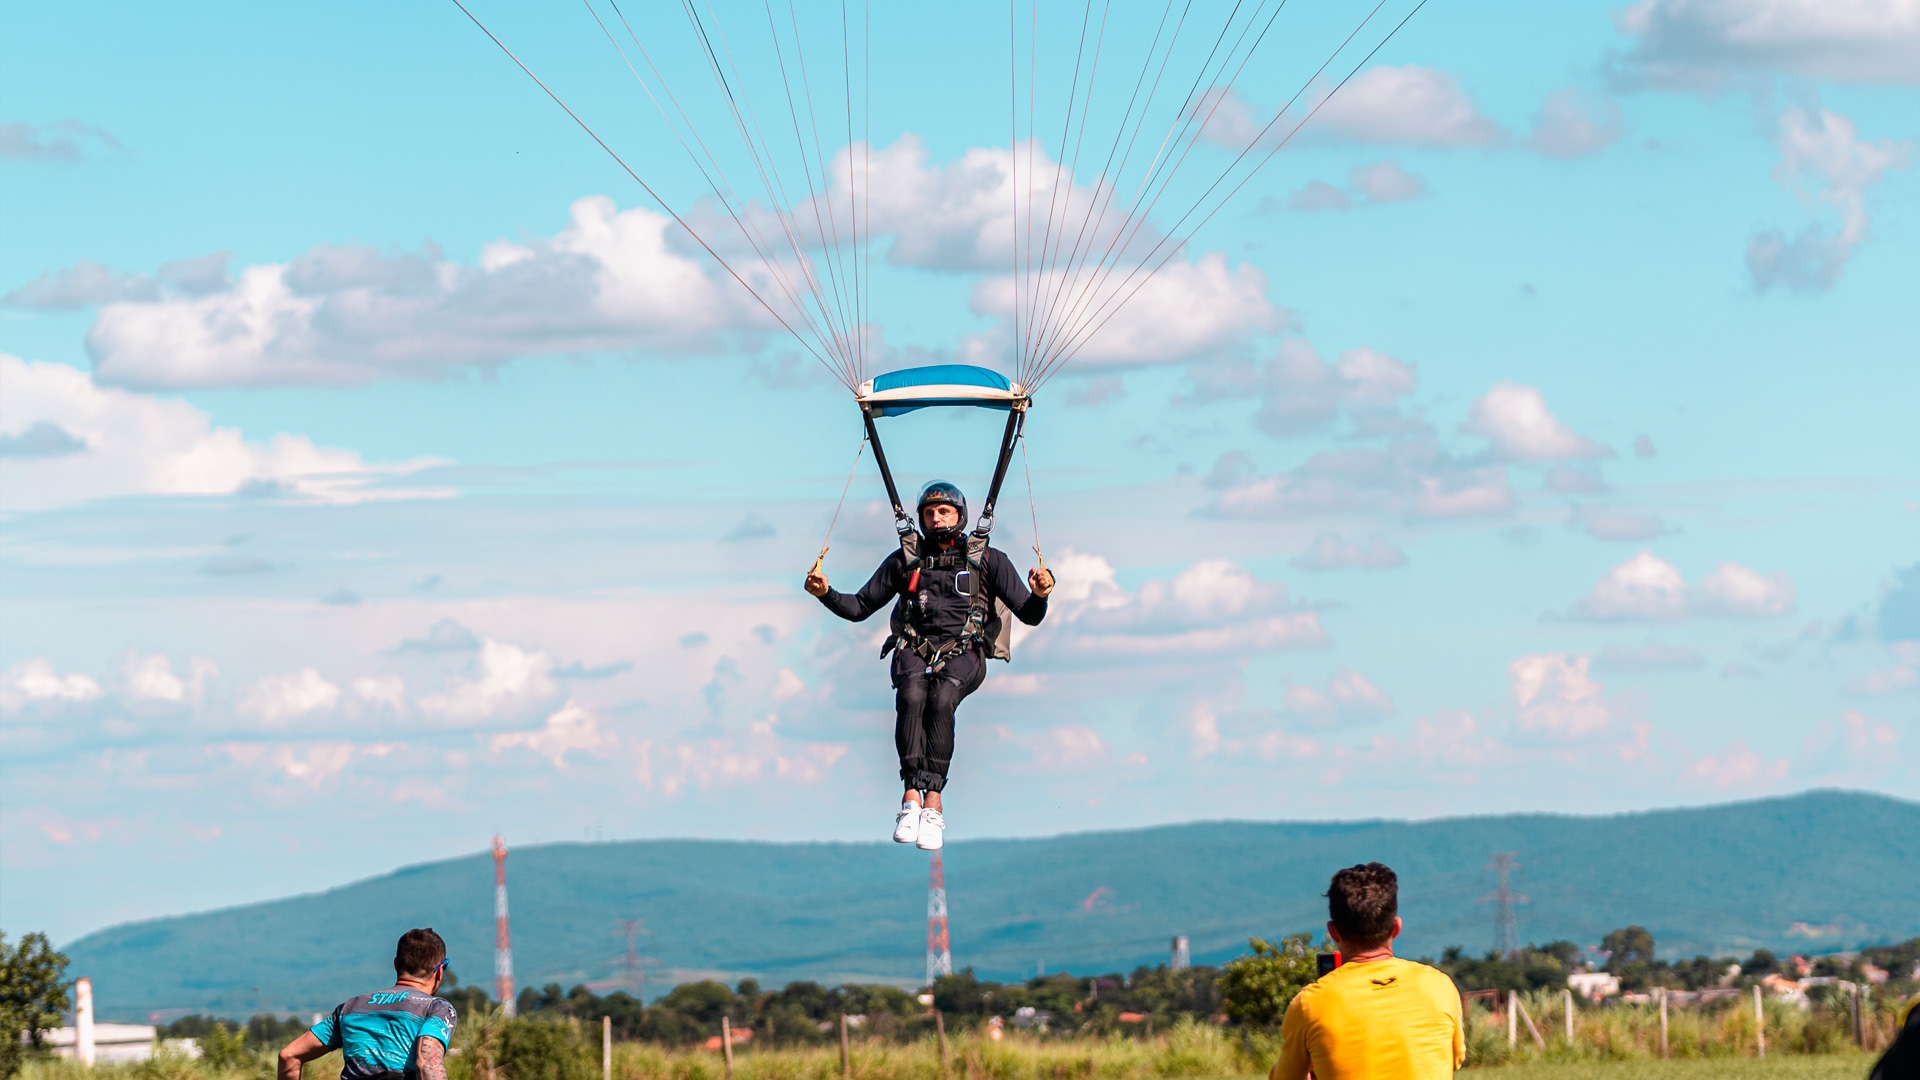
(381, 469)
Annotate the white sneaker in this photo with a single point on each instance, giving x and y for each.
(933, 831)
(906, 824)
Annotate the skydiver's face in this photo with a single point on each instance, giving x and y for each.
(940, 516)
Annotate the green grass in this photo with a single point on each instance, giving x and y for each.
(1851, 1066)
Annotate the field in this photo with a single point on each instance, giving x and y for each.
(528, 1050)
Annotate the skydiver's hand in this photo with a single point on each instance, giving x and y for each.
(1041, 582)
(817, 583)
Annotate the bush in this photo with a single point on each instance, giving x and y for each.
(543, 1050)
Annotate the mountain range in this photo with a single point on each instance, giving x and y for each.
(1816, 872)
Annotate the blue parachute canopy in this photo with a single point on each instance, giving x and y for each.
(899, 392)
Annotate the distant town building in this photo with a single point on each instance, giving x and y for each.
(1593, 985)
(113, 1044)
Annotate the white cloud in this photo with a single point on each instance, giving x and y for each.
(1188, 310)
(389, 691)
(1514, 418)
(1349, 698)
(1826, 166)
(1737, 766)
(610, 279)
(1648, 588)
(278, 698)
(1410, 476)
(1386, 182)
(1331, 551)
(137, 444)
(1570, 125)
(151, 678)
(1299, 393)
(321, 761)
(65, 140)
(508, 677)
(1214, 607)
(1644, 587)
(1319, 195)
(1700, 44)
(1903, 675)
(1555, 696)
(1374, 184)
(36, 680)
(573, 728)
(1063, 746)
(1737, 592)
(1407, 106)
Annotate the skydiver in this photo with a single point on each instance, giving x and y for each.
(942, 632)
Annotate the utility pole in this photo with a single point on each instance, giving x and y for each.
(939, 956)
(502, 940)
(1506, 931)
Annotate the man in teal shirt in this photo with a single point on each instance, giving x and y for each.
(400, 1033)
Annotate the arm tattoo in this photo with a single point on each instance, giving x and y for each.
(432, 1056)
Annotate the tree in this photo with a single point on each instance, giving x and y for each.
(1631, 945)
(33, 996)
(1259, 988)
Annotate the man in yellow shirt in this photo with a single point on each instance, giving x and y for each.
(1376, 1016)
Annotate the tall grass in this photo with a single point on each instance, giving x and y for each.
(1619, 1042)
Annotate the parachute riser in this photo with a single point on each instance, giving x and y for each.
(901, 523)
(1009, 439)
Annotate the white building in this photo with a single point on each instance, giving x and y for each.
(1593, 985)
(113, 1044)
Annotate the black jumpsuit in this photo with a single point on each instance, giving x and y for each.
(924, 701)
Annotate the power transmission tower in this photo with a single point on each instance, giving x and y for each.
(939, 957)
(1506, 930)
(631, 960)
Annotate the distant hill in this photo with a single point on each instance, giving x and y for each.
(1814, 872)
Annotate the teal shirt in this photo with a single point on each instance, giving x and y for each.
(376, 1032)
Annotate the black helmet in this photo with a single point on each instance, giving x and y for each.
(941, 493)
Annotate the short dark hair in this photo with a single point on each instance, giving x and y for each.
(1362, 902)
(419, 952)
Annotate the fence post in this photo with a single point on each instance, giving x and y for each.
(606, 1048)
(1759, 1024)
(1663, 1021)
(726, 1044)
(1513, 1020)
(846, 1058)
(1859, 1026)
(940, 1025)
(1569, 1002)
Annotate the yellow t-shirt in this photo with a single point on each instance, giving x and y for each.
(1389, 1019)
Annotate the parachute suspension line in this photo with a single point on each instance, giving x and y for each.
(1032, 507)
(1270, 154)
(1185, 131)
(1106, 307)
(1033, 56)
(844, 488)
(1103, 195)
(764, 147)
(835, 256)
(1050, 266)
(664, 205)
(1034, 280)
(760, 152)
(1032, 360)
(1013, 172)
(729, 197)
